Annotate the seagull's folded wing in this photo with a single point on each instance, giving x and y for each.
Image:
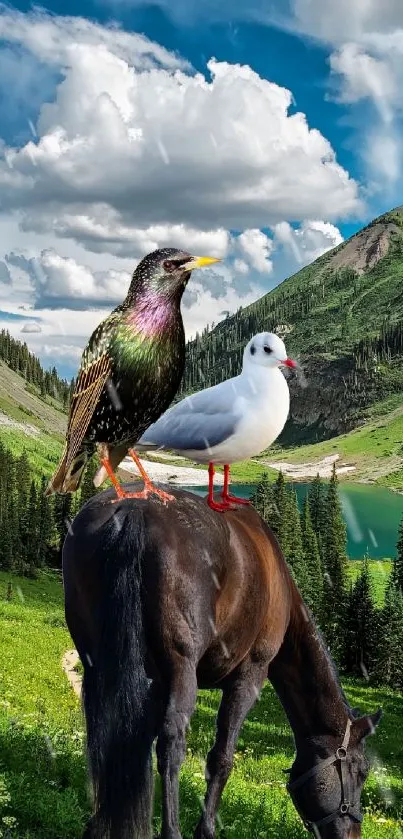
(198, 423)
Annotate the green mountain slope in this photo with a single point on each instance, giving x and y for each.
(342, 317)
(30, 422)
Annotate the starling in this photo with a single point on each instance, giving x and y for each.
(130, 372)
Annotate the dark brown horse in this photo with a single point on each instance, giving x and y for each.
(163, 600)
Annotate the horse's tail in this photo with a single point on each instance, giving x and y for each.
(117, 703)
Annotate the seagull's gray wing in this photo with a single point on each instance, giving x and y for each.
(199, 422)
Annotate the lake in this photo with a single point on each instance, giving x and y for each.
(372, 515)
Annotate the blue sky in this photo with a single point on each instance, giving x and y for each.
(262, 133)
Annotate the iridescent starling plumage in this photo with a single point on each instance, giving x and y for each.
(130, 370)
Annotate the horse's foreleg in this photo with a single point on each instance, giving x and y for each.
(171, 743)
(239, 695)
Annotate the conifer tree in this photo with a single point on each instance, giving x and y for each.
(87, 487)
(262, 498)
(360, 626)
(314, 595)
(398, 564)
(45, 525)
(292, 540)
(317, 509)
(31, 547)
(12, 510)
(389, 654)
(335, 570)
(23, 484)
(278, 522)
(6, 542)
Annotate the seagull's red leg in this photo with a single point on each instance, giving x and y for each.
(225, 494)
(215, 505)
(149, 487)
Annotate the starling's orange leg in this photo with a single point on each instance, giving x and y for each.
(148, 484)
(225, 494)
(119, 491)
(215, 505)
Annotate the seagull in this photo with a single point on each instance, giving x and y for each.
(232, 421)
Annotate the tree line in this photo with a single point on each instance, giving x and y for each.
(32, 525)
(365, 640)
(18, 357)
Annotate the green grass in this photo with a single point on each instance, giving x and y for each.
(42, 773)
(42, 770)
(43, 451)
(375, 449)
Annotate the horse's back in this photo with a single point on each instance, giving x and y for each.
(213, 585)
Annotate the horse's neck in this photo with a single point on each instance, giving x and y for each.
(306, 682)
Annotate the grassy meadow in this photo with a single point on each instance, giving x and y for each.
(375, 449)
(43, 780)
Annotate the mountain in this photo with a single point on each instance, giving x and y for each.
(342, 317)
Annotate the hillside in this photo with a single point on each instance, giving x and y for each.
(342, 317)
(29, 421)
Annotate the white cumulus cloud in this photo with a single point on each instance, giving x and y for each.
(57, 281)
(309, 241)
(101, 230)
(256, 248)
(32, 327)
(164, 146)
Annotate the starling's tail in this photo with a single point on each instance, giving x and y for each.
(69, 473)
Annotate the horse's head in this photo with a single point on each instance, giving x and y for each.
(326, 781)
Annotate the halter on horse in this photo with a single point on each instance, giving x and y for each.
(346, 806)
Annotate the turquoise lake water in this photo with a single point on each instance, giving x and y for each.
(372, 515)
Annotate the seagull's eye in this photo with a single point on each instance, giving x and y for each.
(252, 349)
(268, 350)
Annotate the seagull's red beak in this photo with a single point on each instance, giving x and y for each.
(290, 363)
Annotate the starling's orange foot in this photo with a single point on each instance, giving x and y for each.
(234, 499)
(165, 496)
(149, 489)
(123, 494)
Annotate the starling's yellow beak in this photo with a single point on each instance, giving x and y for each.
(199, 262)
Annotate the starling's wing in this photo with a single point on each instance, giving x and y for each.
(197, 423)
(89, 386)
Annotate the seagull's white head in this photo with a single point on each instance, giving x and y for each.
(266, 350)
